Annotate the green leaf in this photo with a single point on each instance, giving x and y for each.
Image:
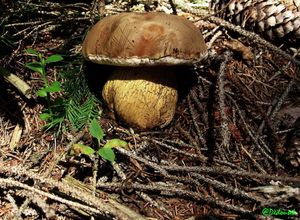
(54, 58)
(35, 66)
(55, 87)
(31, 51)
(116, 143)
(42, 92)
(45, 116)
(96, 130)
(107, 154)
(82, 149)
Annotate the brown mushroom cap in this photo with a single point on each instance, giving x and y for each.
(144, 39)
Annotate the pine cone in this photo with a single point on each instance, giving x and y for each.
(276, 20)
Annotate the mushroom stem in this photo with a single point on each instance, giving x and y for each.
(142, 97)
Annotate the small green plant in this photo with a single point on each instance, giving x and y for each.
(106, 151)
(40, 67)
(77, 107)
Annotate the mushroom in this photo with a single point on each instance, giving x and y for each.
(146, 50)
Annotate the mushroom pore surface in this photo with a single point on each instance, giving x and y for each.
(142, 97)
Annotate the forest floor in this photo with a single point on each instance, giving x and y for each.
(231, 152)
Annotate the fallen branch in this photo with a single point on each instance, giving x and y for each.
(94, 204)
(22, 86)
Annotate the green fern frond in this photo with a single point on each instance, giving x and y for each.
(81, 106)
(56, 122)
(81, 114)
(77, 107)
